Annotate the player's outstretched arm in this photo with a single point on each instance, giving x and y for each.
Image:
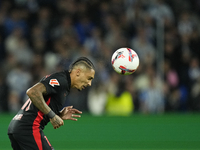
(35, 94)
(69, 113)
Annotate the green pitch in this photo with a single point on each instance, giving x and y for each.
(137, 132)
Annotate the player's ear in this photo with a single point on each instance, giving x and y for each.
(78, 71)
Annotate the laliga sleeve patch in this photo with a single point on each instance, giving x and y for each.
(54, 82)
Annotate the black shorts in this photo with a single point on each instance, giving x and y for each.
(30, 142)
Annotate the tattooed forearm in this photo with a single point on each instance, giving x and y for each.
(35, 93)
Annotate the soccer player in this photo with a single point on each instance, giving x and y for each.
(46, 99)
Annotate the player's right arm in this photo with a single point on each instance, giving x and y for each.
(35, 94)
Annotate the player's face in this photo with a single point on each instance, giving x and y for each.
(85, 78)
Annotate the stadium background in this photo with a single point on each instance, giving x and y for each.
(155, 108)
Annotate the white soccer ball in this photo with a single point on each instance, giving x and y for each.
(125, 61)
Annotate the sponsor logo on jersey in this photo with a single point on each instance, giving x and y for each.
(54, 82)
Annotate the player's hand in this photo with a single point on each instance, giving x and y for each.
(69, 113)
(56, 121)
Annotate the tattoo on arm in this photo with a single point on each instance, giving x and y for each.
(35, 93)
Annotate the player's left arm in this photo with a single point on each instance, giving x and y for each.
(70, 113)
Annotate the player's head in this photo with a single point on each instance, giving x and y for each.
(82, 73)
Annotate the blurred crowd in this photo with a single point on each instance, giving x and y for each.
(39, 37)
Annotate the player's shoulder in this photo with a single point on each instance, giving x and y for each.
(60, 74)
(57, 79)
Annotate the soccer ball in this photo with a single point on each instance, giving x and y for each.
(125, 61)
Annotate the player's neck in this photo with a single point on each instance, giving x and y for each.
(72, 80)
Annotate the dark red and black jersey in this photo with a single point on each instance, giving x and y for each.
(29, 119)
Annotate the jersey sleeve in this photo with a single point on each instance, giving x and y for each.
(54, 83)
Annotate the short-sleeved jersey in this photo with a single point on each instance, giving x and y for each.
(30, 118)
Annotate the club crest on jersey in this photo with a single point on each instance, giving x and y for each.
(54, 82)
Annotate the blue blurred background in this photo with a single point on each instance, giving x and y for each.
(38, 37)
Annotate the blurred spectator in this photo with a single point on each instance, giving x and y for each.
(51, 61)
(171, 52)
(145, 49)
(173, 100)
(17, 46)
(37, 33)
(84, 28)
(15, 20)
(32, 6)
(65, 27)
(119, 95)
(121, 102)
(18, 81)
(194, 70)
(67, 7)
(160, 10)
(43, 18)
(151, 97)
(93, 43)
(97, 99)
(114, 36)
(37, 69)
(12, 41)
(14, 102)
(194, 102)
(171, 76)
(185, 24)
